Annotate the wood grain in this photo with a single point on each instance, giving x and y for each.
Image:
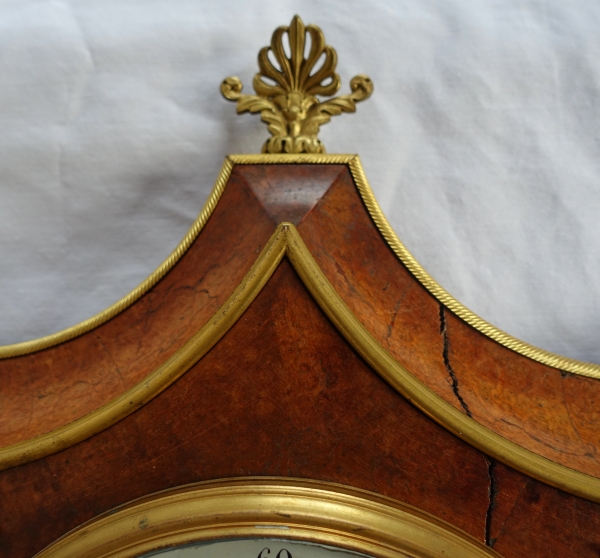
(281, 394)
(47, 389)
(533, 519)
(288, 192)
(548, 412)
(552, 414)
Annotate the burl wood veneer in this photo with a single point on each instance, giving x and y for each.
(538, 407)
(53, 387)
(283, 393)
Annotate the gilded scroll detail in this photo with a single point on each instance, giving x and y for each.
(287, 95)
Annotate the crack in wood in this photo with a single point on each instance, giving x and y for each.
(492, 494)
(445, 351)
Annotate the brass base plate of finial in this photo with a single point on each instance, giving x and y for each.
(289, 105)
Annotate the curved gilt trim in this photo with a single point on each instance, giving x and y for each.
(161, 378)
(287, 242)
(545, 357)
(17, 349)
(33, 345)
(267, 507)
(420, 395)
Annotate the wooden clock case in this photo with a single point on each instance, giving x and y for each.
(290, 370)
(288, 339)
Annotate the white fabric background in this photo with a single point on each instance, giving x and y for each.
(481, 142)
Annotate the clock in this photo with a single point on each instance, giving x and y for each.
(290, 376)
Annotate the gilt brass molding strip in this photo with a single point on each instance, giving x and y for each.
(545, 357)
(421, 396)
(268, 507)
(161, 378)
(286, 241)
(567, 364)
(26, 347)
(33, 345)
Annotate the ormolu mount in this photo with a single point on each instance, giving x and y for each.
(290, 106)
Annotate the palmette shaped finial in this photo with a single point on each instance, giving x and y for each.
(288, 104)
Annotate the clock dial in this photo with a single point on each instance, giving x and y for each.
(256, 548)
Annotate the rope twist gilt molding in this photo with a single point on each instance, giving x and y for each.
(540, 355)
(18, 349)
(566, 364)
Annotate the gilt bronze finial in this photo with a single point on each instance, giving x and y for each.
(288, 105)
